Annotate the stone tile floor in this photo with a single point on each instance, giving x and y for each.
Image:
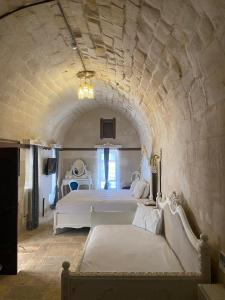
(40, 257)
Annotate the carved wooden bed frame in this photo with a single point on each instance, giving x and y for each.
(151, 285)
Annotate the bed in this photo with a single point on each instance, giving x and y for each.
(127, 262)
(87, 208)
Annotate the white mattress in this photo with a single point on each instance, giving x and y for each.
(127, 248)
(81, 201)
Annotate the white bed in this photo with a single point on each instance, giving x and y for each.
(127, 262)
(86, 208)
(131, 244)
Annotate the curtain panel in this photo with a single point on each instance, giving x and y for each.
(106, 164)
(56, 184)
(99, 171)
(34, 203)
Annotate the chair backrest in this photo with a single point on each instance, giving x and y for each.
(73, 185)
(83, 187)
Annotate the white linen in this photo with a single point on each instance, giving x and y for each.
(133, 184)
(146, 191)
(105, 200)
(139, 217)
(126, 248)
(148, 218)
(154, 221)
(139, 189)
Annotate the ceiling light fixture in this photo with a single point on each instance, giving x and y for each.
(86, 89)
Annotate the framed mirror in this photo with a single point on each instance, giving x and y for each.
(78, 168)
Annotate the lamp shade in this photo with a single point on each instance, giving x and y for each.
(86, 91)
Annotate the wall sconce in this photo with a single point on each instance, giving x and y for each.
(153, 163)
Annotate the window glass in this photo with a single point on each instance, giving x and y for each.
(113, 168)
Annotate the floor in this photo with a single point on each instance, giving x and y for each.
(40, 257)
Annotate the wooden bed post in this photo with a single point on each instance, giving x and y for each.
(64, 281)
(205, 262)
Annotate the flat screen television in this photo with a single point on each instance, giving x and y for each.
(50, 166)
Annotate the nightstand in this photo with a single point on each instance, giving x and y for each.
(211, 292)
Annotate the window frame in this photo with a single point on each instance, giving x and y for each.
(107, 122)
(100, 169)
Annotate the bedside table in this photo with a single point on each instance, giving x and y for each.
(211, 292)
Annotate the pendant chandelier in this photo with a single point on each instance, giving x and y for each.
(86, 89)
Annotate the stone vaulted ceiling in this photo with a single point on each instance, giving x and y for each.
(155, 60)
(160, 62)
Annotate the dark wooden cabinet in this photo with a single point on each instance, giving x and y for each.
(9, 169)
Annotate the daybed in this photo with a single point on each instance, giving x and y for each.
(127, 262)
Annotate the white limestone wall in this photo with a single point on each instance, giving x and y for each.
(85, 133)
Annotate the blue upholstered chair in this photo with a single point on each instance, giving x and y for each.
(73, 185)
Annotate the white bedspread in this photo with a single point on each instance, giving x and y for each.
(80, 201)
(127, 248)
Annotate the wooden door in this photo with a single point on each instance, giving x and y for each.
(9, 162)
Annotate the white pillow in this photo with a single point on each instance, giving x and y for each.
(154, 220)
(139, 189)
(133, 184)
(146, 191)
(139, 217)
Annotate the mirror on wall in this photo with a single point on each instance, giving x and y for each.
(78, 168)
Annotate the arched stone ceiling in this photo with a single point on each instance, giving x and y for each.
(39, 84)
(162, 62)
(149, 56)
(106, 97)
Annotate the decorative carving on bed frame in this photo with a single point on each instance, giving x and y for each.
(149, 285)
(174, 201)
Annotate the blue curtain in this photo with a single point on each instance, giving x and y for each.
(106, 164)
(34, 218)
(56, 184)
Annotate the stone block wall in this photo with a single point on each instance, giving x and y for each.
(85, 133)
(161, 62)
